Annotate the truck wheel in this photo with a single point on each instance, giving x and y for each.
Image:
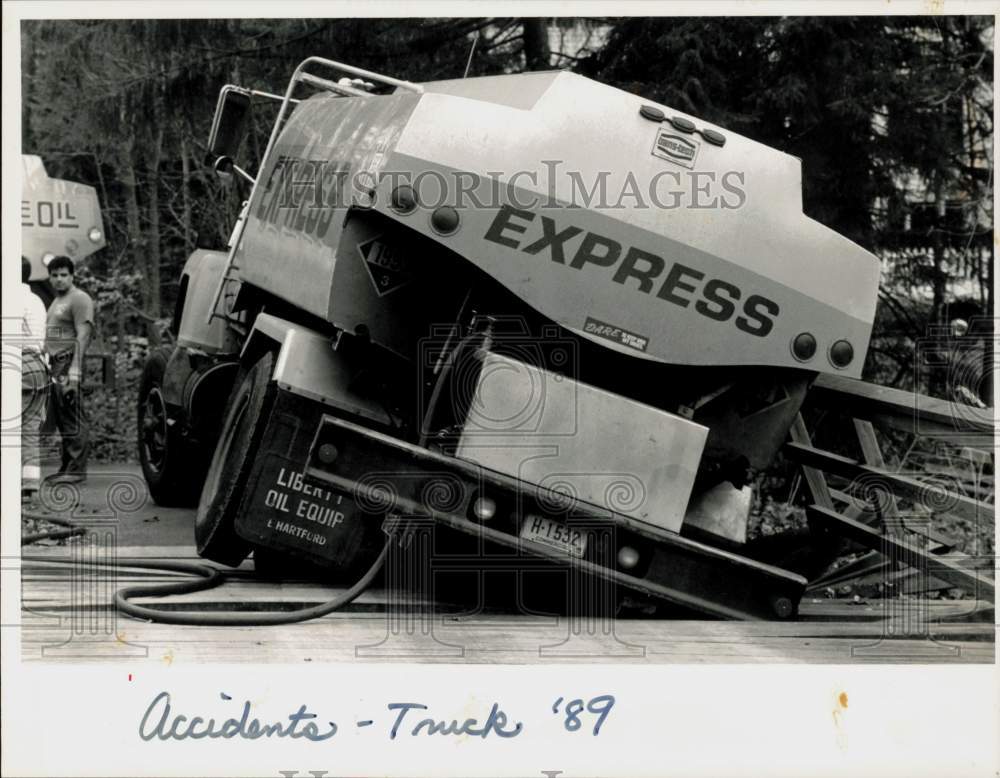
(243, 425)
(165, 458)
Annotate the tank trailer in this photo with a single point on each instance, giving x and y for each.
(555, 325)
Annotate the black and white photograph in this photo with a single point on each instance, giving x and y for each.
(416, 343)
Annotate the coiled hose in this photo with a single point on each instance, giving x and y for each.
(207, 578)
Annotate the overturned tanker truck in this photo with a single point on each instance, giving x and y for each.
(550, 322)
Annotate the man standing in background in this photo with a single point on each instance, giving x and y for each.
(70, 326)
(34, 383)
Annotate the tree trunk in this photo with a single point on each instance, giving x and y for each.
(136, 244)
(938, 377)
(989, 337)
(186, 196)
(28, 80)
(119, 348)
(132, 225)
(937, 254)
(153, 255)
(536, 44)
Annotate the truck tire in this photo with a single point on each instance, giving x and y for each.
(168, 466)
(243, 425)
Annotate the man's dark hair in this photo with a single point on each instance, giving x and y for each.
(25, 269)
(62, 263)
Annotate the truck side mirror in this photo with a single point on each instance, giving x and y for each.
(223, 167)
(229, 123)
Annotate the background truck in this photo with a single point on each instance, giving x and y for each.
(551, 321)
(57, 217)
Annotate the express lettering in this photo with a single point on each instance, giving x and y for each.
(678, 285)
(303, 195)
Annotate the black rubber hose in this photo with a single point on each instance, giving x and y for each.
(208, 578)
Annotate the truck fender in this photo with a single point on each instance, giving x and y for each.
(191, 324)
(195, 386)
(308, 365)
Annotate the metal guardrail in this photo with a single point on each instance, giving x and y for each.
(961, 424)
(903, 546)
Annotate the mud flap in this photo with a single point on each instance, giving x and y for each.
(283, 511)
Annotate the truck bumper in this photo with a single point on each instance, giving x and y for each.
(327, 489)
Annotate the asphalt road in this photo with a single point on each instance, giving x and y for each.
(117, 494)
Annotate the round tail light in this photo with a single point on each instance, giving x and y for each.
(484, 508)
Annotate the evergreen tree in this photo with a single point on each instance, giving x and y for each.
(891, 117)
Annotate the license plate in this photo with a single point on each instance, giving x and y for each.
(555, 535)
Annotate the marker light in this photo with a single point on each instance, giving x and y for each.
(682, 124)
(628, 557)
(484, 508)
(804, 346)
(404, 199)
(841, 354)
(95, 235)
(445, 220)
(713, 137)
(327, 453)
(652, 113)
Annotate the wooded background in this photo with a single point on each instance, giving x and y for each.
(891, 116)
